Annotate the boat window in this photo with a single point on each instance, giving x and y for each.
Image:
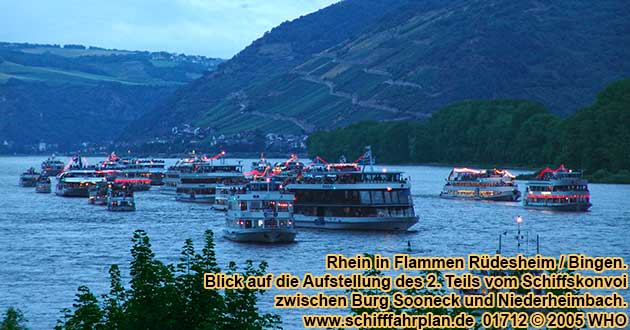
(403, 196)
(351, 196)
(269, 205)
(255, 205)
(243, 206)
(377, 197)
(388, 197)
(394, 197)
(283, 206)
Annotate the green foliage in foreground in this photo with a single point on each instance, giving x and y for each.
(13, 320)
(169, 296)
(507, 132)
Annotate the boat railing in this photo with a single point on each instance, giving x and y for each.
(479, 184)
(271, 223)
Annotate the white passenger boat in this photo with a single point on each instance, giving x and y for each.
(76, 183)
(120, 198)
(29, 178)
(113, 163)
(558, 190)
(135, 184)
(98, 193)
(491, 185)
(346, 196)
(52, 166)
(77, 178)
(222, 196)
(171, 176)
(260, 168)
(146, 169)
(291, 167)
(198, 183)
(43, 185)
(260, 212)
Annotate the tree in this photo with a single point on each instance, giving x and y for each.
(13, 320)
(169, 296)
(113, 308)
(499, 132)
(87, 314)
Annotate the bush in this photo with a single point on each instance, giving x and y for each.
(169, 296)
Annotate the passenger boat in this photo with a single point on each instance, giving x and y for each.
(346, 196)
(558, 190)
(290, 167)
(491, 185)
(52, 166)
(222, 195)
(135, 184)
(98, 193)
(43, 185)
(260, 212)
(260, 168)
(113, 163)
(29, 177)
(171, 176)
(148, 169)
(77, 178)
(76, 183)
(120, 198)
(198, 183)
(221, 198)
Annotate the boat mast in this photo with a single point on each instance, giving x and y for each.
(368, 155)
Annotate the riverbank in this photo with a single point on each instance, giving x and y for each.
(232, 155)
(599, 176)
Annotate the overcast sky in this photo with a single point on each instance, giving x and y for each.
(217, 28)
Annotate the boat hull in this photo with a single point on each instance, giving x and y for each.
(125, 208)
(204, 199)
(140, 187)
(168, 190)
(97, 200)
(28, 182)
(577, 207)
(43, 188)
(220, 207)
(351, 223)
(499, 195)
(260, 235)
(72, 192)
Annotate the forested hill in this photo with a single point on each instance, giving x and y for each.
(65, 95)
(499, 132)
(393, 60)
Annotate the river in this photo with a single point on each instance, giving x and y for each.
(50, 245)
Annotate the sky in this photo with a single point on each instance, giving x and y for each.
(215, 28)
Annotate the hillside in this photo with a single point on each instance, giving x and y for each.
(499, 132)
(72, 94)
(340, 66)
(218, 100)
(77, 64)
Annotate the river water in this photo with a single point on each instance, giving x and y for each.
(50, 245)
